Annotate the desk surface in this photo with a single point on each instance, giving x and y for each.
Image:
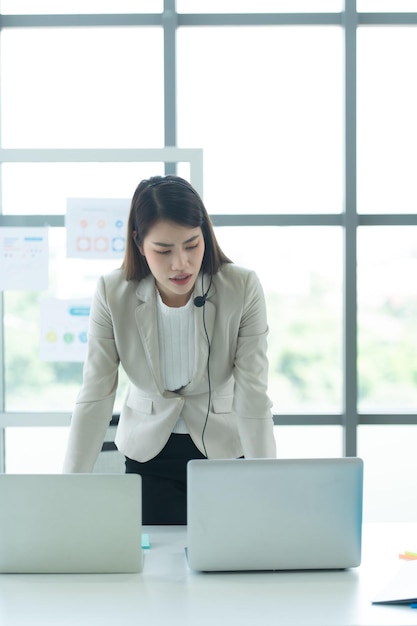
(168, 593)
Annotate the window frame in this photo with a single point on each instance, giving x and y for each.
(349, 220)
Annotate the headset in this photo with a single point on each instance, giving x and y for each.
(199, 302)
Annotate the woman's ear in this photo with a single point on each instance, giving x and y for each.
(134, 237)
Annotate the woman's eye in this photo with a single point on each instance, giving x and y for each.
(192, 247)
(163, 251)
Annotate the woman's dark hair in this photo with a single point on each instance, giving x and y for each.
(172, 199)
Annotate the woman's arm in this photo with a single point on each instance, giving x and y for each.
(95, 401)
(251, 402)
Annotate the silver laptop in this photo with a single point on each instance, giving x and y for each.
(273, 514)
(70, 523)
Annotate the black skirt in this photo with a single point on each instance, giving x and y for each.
(164, 481)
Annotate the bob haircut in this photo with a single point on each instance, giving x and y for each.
(173, 199)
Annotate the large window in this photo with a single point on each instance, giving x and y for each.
(272, 98)
(304, 114)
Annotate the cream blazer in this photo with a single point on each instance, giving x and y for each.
(123, 329)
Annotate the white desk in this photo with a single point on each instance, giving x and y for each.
(167, 593)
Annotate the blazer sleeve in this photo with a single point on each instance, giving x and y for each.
(251, 401)
(95, 401)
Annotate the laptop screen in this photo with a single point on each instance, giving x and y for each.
(274, 514)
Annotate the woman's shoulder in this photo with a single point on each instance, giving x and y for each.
(115, 281)
(236, 273)
(236, 280)
(116, 275)
(239, 287)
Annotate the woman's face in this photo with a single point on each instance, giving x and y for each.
(174, 254)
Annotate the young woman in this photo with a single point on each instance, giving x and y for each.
(190, 330)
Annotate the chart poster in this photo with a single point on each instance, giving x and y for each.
(24, 259)
(96, 227)
(64, 325)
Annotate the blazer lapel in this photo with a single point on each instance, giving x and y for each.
(146, 316)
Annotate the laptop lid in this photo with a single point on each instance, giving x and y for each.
(274, 514)
(70, 523)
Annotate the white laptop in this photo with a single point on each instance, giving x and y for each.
(70, 523)
(274, 514)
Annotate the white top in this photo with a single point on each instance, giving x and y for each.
(176, 348)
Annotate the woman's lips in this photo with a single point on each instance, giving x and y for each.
(183, 279)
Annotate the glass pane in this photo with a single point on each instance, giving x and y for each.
(301, 273)
(50, 184)
(390, 459)
(387, 123)
(265, 104)
(32, 384)
(377, 6)
(387, 312)
(35, 450)
(304, 309)
(30, 7)
(258, 6)
(83, 88)
(308, 441)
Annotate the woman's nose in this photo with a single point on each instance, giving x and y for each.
(179, 260)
